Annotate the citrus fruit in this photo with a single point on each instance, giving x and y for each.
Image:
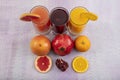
(40, 45)
(43, 63)
(89, 15)
(80, 64)
(82, 43)
(29, 16)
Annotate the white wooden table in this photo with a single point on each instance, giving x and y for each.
(17, 61)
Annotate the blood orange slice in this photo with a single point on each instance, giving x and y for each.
(29, 16)
(43, 63)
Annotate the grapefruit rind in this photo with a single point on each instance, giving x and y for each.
(75, 62)
(29, 16)
(50, 61)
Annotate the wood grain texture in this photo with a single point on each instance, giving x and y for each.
(17, 61)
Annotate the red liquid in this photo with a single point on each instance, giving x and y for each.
(42, 24)
(59, 18)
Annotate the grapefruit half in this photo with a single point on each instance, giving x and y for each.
(43, 63)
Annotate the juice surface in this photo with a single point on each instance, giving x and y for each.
(43, 12)
(75, 16)
(43, 23)
(59, 17)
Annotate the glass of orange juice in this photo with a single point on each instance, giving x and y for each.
(42, 24)
(79, 17)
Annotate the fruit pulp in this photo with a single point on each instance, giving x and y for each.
(28, 17)
(43, 23)
(59, 18)
(43, 63)
(80, 64)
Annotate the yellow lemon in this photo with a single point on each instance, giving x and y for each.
(80, 64)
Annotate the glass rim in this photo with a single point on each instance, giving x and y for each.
(62, 8)
(73, 21)
(40, 6)
(44, 8)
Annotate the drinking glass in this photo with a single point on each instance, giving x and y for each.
(79, 17)
(59, 17)
(42, 25)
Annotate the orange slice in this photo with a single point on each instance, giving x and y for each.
(80, 64)
(29, 16)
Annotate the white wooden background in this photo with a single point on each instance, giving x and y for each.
(17, 61)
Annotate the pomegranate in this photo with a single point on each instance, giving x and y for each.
(62, 44)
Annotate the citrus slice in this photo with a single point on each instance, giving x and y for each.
(43, 64)
(89, 15)
(29, 16)
(80, 64)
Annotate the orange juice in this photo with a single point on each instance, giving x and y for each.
(79, 16)
(43, 23)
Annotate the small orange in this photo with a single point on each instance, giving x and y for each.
(80, 64)
(29, 16)
(82, 43)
